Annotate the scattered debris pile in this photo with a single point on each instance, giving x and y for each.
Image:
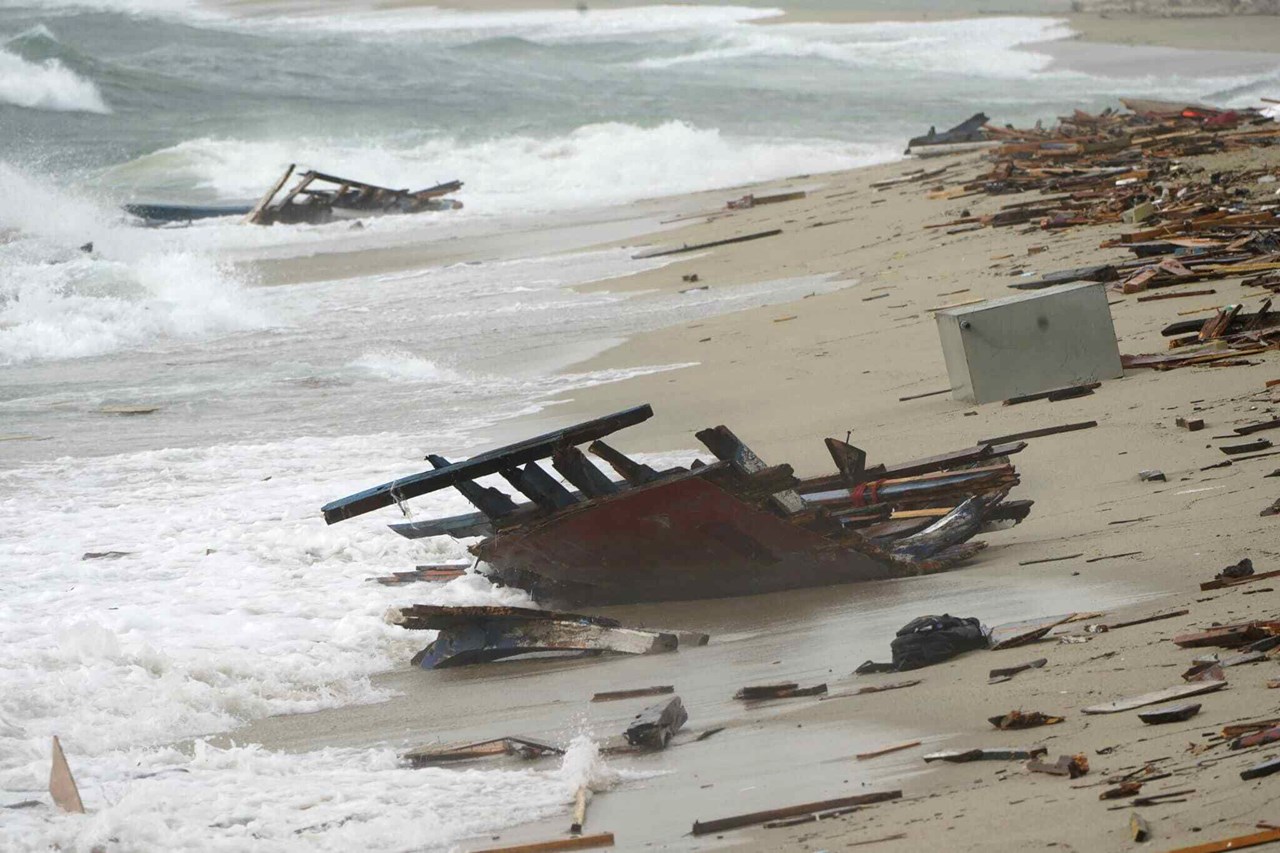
(734, 526)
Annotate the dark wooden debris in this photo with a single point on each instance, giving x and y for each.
(1039, 433)
(679, 250)
(1073, 766)
(1170, 713)
(738, 821)
(521, 747)
(614, 695)
(1023, 720)
(997, 676)
(957, 756)
(654, 727)
(788, 690)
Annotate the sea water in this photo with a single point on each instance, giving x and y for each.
(227, 598)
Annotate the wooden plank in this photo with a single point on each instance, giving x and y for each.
(1229, 582)
(1238, 842)
(614, 695)
(1039, 433)
(491, 462)
(885, 750)
(658, 253)
(256, 212)
(1178, 295)
(539, 486)
(493, 503)
(635, 473)
(62, 786)
(1167, 695)
(581, 842)
(738, 821)
(574, 466)
(925, 394)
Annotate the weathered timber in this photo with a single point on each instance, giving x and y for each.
(787, 690)
(1173, 614)
(738, 821)
(1222, 583)
(957, 756)
(635, 473)
(614, 695)
(581, 842)
(255, 213)
(1227, 636)
(457, 526)
(491, 462)
(1170, 714)
(654, 727)
(579, 810)
(727, 447)
(958, 526)
(1056, 395)
(1247, 447)
(436, 754)
(539, 486)
(997, 676)
(1238, 842)
(493, 503)
(1154, 698)
(885, 750)
(1258, 771)
(471, 635)
(678, 250)
(1039, 433)
(850, 461)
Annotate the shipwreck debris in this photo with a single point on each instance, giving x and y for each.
(580, 842)
(521, 747)
(654, 727)
(788, 690)
(1170, 713)
(1073, 766)
(318, 198)
(470, 635)
(62, 785)
(1156, 697)
(1023, 720)
(614, 695)
(735, 526)
(959, 756)
(739, 821)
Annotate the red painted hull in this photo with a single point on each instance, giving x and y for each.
(676, 539)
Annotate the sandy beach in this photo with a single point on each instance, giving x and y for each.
(783, 377)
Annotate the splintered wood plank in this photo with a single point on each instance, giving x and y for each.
(1239, 842)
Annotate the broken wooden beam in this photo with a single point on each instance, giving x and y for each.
(482, 634)
(885, 750)
(491, 462)
(582, 842)
(436, 754)
(635, 473)
(788, 690)
(614, 695)
(959, 756)
(1039, 433)
(662, 252)
(739, 821)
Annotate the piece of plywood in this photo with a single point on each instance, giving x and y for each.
(62, 787)
(1169, 694)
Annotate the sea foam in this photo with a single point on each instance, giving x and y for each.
(47, 85)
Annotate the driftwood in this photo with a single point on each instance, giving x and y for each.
(316, 197)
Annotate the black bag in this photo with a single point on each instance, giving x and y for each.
(934, 639)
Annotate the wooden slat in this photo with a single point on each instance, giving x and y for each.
(492, 462)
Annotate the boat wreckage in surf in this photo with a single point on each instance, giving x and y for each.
(315, 199)
(734, 526)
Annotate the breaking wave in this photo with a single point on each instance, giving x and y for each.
(47, 85)
(597, 164)
(59, 299)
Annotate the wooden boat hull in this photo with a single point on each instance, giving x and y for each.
(676, 539)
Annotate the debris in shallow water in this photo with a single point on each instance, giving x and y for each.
(62, 786)
(105, 555)
(435, 754)
(318, 198)
(469, 635)
(128, 410)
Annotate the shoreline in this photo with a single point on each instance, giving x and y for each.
(783, 376)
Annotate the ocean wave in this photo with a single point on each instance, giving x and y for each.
(47, 85)
(595, 165)
(988, 47)
(135, 287)
(400, 366)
